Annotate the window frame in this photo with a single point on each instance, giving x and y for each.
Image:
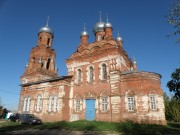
(55, 103)
(91, 74)
(24, 104)
(131, 103)
(104, 71)
(78, 105)
(28, 104)
(152, 100)
(79, 75)
(39, 104)
(50, 103)
(104, 104)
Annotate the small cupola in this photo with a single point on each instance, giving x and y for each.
(135, 64)
(119, 40)
(99, 29)
(84, 36)
(46, 28)
(45, 36)
(108, 28)
(108, 24)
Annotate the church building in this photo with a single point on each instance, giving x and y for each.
(102, 84)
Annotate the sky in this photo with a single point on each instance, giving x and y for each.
(142, 25)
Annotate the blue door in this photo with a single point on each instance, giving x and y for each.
(90, 109)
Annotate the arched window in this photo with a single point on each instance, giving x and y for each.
(33, 59)
(79, 76)
(25, 104)
(39, 103)
(104, 104)
(78, 105)
(28, 103)
(91, 74)
(40, 38)
(48, 41)
(104, 72)
(50, 104)
(48, 63)
(55, 103)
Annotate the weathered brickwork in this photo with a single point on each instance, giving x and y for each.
(102, 84)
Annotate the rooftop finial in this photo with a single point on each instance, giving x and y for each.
(47, 21)
(107, 18)
(84, 26)
(134, 61)
(100, 16)
(118, 32)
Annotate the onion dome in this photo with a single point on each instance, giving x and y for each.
(46, 28)
(119, 38)
(84, 32)
(99, 26)
(108, 24)
(134, 61)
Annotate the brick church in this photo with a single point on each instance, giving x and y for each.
(102, 84)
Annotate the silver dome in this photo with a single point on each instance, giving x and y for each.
(99, 26)
(84, 33)
(119, 38)
(46, 29)
(107, 25)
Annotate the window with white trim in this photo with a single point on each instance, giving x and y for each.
(79, 76)
(104, 104)
(28, 103)
(78, 105)
(39, 103)
(130, 103)
(104, 72)
(152, 102)
(91, 74)
(25, 104)
(50, 104)
(55, 103)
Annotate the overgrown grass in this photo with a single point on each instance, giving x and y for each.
(129, 127)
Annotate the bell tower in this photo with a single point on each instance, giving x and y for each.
(41, 63)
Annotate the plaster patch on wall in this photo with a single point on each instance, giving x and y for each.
(115, 101)
(74, 117)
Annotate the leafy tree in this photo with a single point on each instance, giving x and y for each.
(172, 109)
(174, 18)
(174, 84)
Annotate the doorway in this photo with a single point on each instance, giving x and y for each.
(90, 109)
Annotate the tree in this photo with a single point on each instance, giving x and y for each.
(173, 18)
(174, 84)
(172, 108)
